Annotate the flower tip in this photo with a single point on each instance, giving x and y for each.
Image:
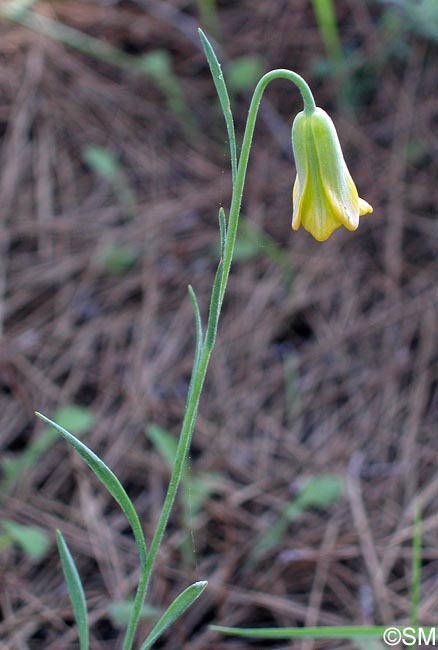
(319, 237)
(364, 207)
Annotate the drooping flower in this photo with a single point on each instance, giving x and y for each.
(324, 195)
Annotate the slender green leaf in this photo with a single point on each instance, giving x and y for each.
(178, 607)
(328, 29)
(221, 89)
(167, 445)
(301, 632)
(33, 541)
(75, 590)
(109, 480)
(198, 322)
(223, 230)
(215, 305)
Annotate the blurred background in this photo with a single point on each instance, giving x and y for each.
(317, 428)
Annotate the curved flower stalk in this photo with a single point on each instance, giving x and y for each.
(324, 195)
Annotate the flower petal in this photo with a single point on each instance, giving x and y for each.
(296, 200)
(364, 207)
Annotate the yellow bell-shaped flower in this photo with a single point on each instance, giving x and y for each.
(324, 195)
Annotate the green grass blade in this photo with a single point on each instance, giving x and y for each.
(198, 322)
(109, 480)
(178, 607)
(326, 19)
(75, 590)
(223, 230)
(224, 99)
(301, 632)
(353, 632)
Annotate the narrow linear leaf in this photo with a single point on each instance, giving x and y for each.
(75, 590)
(301, 632)
(178, 607)
(198, 322)
(325, 14)
(223, 230)
(213, 316)
(109, 480)
(221, 89)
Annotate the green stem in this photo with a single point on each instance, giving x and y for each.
(309, 108)
(200, 368)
